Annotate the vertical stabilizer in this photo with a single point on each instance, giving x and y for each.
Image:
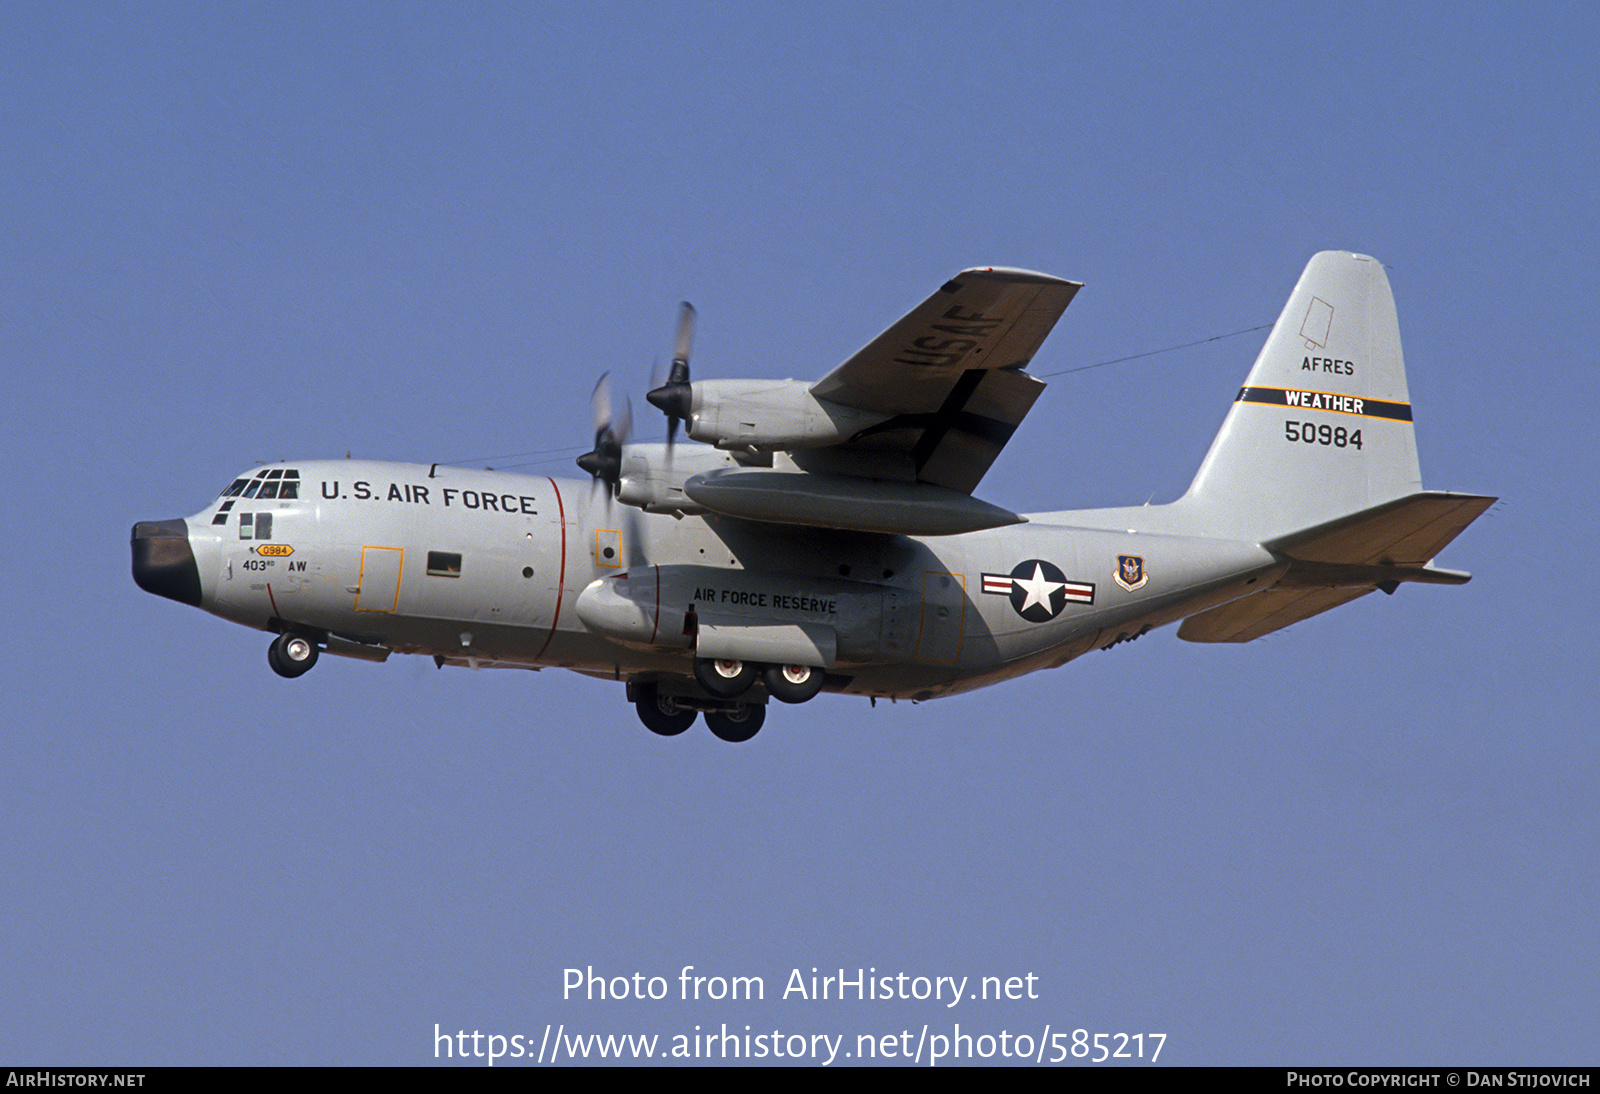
(1322, 426)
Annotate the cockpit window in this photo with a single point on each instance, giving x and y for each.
(277, 482)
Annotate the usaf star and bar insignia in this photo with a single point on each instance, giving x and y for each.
(1038, 590)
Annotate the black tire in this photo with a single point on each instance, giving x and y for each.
(660, 714)
(792, 683)
(736, 725)
(292, 655)
(724, 678)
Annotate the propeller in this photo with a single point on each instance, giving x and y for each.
(674, 398)
(613, 421)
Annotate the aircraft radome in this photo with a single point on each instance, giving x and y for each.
(825, 536)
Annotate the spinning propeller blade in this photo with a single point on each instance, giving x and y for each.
(613, 421)
(673, 398)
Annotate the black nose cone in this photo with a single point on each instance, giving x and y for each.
(163, 561)
(676, 400)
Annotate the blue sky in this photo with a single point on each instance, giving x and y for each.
(249, 232)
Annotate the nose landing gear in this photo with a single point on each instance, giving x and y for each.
(292, 655)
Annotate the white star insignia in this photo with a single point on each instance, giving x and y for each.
(1038, 589)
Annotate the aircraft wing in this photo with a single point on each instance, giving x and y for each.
(949, 375)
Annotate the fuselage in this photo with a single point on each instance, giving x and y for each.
(492, 568)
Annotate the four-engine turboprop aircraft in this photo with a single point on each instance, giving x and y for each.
(825, 536)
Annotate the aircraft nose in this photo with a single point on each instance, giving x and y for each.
(163, 560)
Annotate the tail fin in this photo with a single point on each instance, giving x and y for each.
(1322, 426)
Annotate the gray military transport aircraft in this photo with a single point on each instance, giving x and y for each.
(825, 537)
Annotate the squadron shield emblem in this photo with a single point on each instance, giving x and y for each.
(1038, 590)
(1130, 572)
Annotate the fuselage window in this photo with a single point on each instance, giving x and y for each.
(444, 564)
(255, 525)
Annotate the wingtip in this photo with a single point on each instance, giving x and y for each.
(1014, 274)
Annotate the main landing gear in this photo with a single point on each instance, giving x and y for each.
(661, 714)
(739, 724)
(292, 655)
(727, 679)
(670, 715)
(792, 683)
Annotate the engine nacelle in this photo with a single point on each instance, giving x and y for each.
(771, 414)
(653, 475)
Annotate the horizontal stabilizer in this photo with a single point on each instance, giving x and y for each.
(1265, 612)
(1346, 575)
(1336, 562)
(1406, 531)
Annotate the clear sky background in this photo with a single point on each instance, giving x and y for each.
(237, 233)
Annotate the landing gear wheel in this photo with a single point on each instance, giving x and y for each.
(292, 655)
(792, 683)
(736, 725)
(724, 678)
(660, 714)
